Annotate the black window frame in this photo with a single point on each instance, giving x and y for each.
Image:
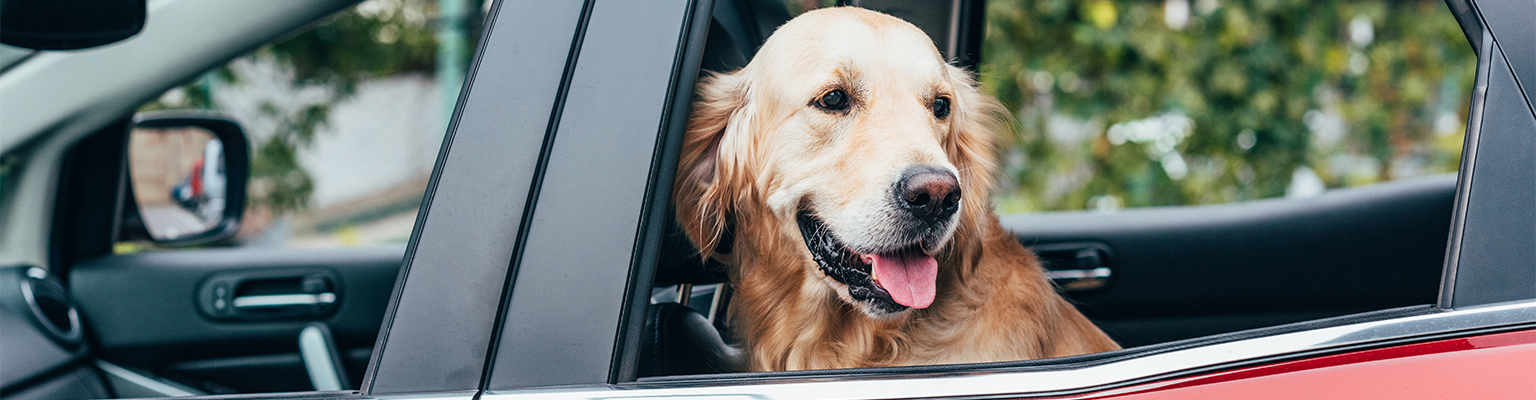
(439, 326)
(1489, 258)
(454, 293)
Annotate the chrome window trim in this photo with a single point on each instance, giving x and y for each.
(1088, 378)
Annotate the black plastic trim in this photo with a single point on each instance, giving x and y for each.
(582, 236)
(465, 234)
(970, 34)
(237, 173)
(1347, 250)
(426, 203)
(50, 25)
(1511, 21)
(1467, 17)
(649, 234)
(36, 349)
(129, 300)
(87, 197)
(58, 373)
(556, 110)
(1498, 238)
(1468, 163)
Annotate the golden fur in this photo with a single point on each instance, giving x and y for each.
(758, 151)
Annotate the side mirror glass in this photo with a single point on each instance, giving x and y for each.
(187, 172)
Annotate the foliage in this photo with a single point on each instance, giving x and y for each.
(378, 38)
(1172, 102)
(278, 181)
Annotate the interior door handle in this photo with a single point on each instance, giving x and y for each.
(270, 301)
(1079, 279)
(291, 293)
(1069, 274)
(1076, 266)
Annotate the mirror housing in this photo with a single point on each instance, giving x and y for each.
(69, 25)
(220, 216)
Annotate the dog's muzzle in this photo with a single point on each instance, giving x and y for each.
(889, 282)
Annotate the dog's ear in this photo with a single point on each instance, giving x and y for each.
(705, 198)
(972, 146)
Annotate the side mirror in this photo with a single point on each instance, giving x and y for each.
(187, 172)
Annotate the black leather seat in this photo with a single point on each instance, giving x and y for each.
(682, 342)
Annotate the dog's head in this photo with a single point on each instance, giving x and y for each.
(849, 144)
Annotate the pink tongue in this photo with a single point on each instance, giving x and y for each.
(908, 276)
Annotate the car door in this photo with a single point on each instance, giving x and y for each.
(530, 270)
(547, 346)
(565, 267)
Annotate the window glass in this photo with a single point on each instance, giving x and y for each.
(344, 121)
(1122, 103)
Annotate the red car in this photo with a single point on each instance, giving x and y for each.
(543, 263)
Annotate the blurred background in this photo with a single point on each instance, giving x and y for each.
(1114, 103)
(345, 118)
(1131, 103)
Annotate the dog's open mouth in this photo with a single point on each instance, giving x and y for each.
(890, 281)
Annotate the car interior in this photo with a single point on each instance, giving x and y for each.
(1152, 278)
(141, 322)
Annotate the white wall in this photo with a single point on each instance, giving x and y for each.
(385, 134)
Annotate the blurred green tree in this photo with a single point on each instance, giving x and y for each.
(376, 39)
(1140, 103)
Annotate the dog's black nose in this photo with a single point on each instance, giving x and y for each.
(931, 194)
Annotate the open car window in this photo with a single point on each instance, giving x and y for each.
(344, 120)
(1117, 106)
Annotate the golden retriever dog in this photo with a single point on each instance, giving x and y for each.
(843, 175)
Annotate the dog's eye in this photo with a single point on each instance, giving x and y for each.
(835, 100)
(941, 107)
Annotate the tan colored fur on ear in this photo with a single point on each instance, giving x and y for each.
(704, 206)
(972, 147)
